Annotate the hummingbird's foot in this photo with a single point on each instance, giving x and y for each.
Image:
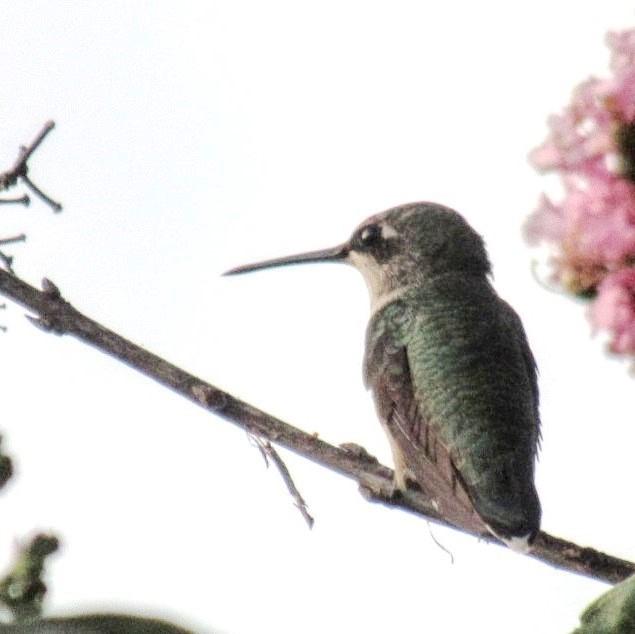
(402, 482)
(375, 492)
(400, 479)
(359, 452)
(387, 491)
(404, 479)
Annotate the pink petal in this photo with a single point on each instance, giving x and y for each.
(614, 309)
(545, 223)
(624, 95)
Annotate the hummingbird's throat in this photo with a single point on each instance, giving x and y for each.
(383, 288)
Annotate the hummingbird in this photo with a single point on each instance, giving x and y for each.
(451, 372)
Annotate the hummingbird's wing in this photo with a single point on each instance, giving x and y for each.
(418, 451)
(515, 325)
(455, 388)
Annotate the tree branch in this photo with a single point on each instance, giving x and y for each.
(56, 315)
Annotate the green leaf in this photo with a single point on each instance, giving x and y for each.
(611, 613)
(95, 624)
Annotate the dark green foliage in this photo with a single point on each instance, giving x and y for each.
(22, 589)
(95, 624)
(611, 613)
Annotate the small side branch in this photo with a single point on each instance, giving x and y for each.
(56, 315)
(20, 168)
(57, 207)
(21, 200)
(20, 171)
(19, 238)
(270, 454)
(7, 260)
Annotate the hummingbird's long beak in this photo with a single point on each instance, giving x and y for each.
(323, 255)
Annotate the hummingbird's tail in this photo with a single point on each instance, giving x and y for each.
(510, 509)
(519, 540)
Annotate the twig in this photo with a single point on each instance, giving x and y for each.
(20, 170)
(5, 259)
(269, 453)
(36, 190)
(25, 152)
(10, 177)
(57, 315)
(19, 238)
(22, 200)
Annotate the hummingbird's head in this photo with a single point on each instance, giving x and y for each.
(405, 245)
(401, 247)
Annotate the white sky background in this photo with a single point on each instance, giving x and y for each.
(198, 136)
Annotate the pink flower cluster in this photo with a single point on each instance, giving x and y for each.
(592, 227)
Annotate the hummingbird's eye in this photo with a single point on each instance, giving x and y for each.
(369, 235)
